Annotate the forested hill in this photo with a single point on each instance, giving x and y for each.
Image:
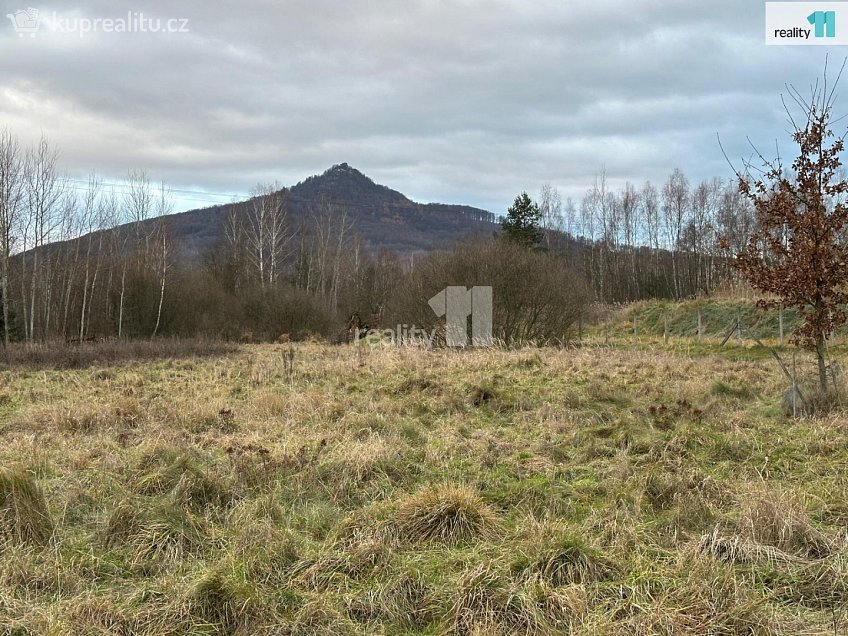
(385, 218)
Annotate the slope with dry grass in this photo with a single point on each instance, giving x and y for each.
(395, 491)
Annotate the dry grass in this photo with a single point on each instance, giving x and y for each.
(24, 516)
(488, 602)
(445, 514)
(62, 355)
(405, 491)
(774, 518)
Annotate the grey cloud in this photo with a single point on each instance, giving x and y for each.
(464, 101)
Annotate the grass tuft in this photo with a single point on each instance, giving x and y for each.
(488, 602)
(565, 560)
(183, 475)
(217, 600)
(157, 534)
(24, 515)
(446, 514)
(772, 517)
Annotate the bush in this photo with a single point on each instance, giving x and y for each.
(286, 310)
(262, 314)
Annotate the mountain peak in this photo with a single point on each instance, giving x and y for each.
(341, 168)
(343, 183)
(384, 218)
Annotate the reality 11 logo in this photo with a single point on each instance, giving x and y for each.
(825, 23)
(457, 303)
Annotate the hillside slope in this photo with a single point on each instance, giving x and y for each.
(385, 218)
(718, 317)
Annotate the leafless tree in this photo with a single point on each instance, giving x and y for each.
(651, 215)
(139, 202)
(701, 237)
(164, 207)
(11, 208)
(675, 207)
(331, 230)
(628, 206)
(550, 207)
(44, 189)
(91, 220)
(598, 215)
(267, 232)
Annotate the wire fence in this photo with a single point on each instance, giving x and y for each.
(771, 338)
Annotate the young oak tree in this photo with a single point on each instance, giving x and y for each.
(798, 252)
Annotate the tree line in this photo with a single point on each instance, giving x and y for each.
(70, 266)
(672, 241)
(84, 260)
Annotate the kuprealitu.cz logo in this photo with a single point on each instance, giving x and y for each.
(30, 22)
(806, 23)
(26, 22)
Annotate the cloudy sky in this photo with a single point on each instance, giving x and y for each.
(460, 101)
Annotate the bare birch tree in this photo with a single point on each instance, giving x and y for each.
(11, 207)
(92, 220)
(675, 206)
(267, 232)
(550, 207)
(164, 206)
(44, 191)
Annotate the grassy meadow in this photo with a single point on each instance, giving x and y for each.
(312, 489)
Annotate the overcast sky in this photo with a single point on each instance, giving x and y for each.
(466, 101)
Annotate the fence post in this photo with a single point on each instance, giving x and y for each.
(780, 323)
(794, 388)
(739, 325)
(665, 328)
(700, 330)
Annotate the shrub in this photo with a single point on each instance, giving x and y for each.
(536, 296)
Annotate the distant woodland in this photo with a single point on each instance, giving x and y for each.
(81, 262)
